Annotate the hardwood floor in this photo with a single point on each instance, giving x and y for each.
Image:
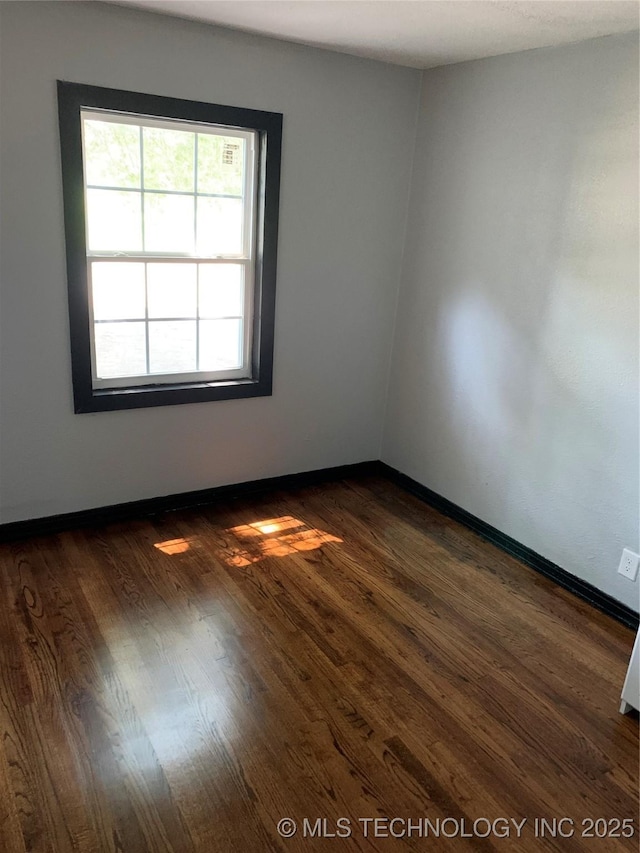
(184, 682)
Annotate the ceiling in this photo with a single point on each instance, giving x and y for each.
(416, 33)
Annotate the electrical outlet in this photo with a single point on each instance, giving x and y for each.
(629, 564)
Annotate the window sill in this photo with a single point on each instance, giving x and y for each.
(114, 399)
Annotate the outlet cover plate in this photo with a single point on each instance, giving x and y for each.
(629, 564)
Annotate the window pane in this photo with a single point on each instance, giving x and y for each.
(118, 291)
(172, 346)
(220, 164)
(112, 154)
(220, 344)
(114, 221)
(219, 226)
(172, 290)
(120, 349)
(168, 223)
(221, 290)
(169, 157)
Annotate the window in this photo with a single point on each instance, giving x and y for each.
(171, 211)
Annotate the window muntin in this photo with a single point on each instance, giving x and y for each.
(170, 235)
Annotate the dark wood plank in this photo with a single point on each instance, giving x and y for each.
(181, 683)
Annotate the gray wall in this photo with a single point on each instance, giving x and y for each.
(348, 137)
(514, 381)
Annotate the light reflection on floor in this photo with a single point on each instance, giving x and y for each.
(181, 686)
(173, 546)
(257, 540)
(180, 658)
(270, 537)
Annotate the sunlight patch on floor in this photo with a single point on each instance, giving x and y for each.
(173, 546)
(257, 539)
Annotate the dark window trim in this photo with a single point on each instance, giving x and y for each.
(72, 97)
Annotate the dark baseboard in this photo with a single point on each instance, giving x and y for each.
(184, 500)
(616, 609)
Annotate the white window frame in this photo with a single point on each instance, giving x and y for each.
(246, 258)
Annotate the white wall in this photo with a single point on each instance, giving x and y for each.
(348, 136)
(514, 381)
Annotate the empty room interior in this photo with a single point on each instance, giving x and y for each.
(319, 426)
